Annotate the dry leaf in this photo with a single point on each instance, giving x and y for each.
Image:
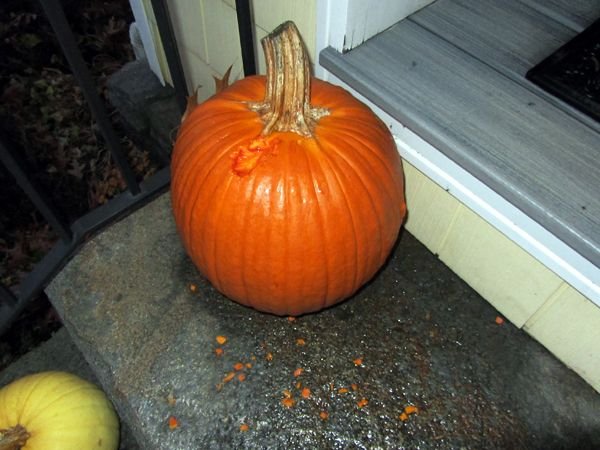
(222, 83)
(192, 102)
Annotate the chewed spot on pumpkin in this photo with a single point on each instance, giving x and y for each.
(287, 192)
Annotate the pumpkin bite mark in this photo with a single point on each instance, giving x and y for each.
(247, 157)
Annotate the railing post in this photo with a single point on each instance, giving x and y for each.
(165, 28)
(244, 19)
(56, 16)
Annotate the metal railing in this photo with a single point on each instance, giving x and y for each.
(73, 235)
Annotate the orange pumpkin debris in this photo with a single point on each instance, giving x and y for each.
(173, 423)
(248, 365)
(305, 392)
(291, 319)
(403, 417)
(358, 362)
(499, 320)
(228, 377)
(288, 402)
(221, 339)
(362, 402)
(342, 390)
(238, 366)
(269, 356)
(218, 351)
(298, 371)
(244, 427)
(287, 393)
(171, 400)
(354, 386)
(241, 377)
(411, 409)
(193, 287)
(324, 415)
(300, 341)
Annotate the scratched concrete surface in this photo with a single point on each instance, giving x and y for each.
(416, 335)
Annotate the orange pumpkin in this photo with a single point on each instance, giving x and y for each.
(287, 192)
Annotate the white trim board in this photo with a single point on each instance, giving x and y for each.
(502, 215)
(345, 24)
(143, 25)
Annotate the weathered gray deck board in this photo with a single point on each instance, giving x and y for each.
(509, 36)
(535, 155)
(576, 14)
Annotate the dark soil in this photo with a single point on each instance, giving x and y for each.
(45, 121)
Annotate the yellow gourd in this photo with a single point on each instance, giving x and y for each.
(56, 411)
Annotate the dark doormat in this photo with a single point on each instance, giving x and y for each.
(572, 73)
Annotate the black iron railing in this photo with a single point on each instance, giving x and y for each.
(73, 235)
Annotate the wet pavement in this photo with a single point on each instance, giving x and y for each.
(416, 336)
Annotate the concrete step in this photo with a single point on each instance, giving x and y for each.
(423, 337)
(149, 111)
(60, 353)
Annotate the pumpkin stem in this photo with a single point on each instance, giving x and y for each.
(286, 106)
(13, 438)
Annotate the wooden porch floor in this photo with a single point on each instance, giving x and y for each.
(454, 73)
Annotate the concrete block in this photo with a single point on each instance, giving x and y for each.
(568, 325)
(431, 210)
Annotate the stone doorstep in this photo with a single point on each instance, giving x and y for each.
(423, 338)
